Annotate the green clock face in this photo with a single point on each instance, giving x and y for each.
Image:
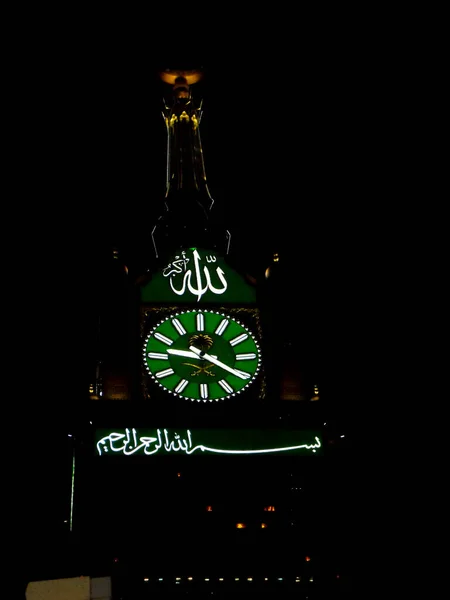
(202, 355)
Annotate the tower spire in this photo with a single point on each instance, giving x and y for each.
(186, 220)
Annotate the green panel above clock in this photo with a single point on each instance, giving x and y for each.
(198, 276)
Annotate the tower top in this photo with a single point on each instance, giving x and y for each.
(181, 80)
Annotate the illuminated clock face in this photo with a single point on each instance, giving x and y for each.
(202, 355)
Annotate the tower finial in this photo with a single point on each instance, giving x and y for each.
(181, 80)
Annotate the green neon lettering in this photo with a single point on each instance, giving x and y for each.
(129, 443)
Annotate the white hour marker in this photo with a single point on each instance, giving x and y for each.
(200, 322)
(178, 326)
(204, 390)
(158, 355)
(162, 338)
(248, 356)
(222, 326)
(239, 339)
(165, 373)
(180, 387)
(226, 386)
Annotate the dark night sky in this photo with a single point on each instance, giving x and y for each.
(280, 155)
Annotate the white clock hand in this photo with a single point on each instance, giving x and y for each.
(201, 354)
(186, 353)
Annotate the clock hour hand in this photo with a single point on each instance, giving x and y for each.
(218, 363)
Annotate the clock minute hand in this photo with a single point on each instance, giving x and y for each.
(218, 363)
(186, 353)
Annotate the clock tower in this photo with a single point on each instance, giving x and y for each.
(200, 461)
(201, 447)
(200, 333)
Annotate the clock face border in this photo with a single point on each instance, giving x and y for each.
(246, 319)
